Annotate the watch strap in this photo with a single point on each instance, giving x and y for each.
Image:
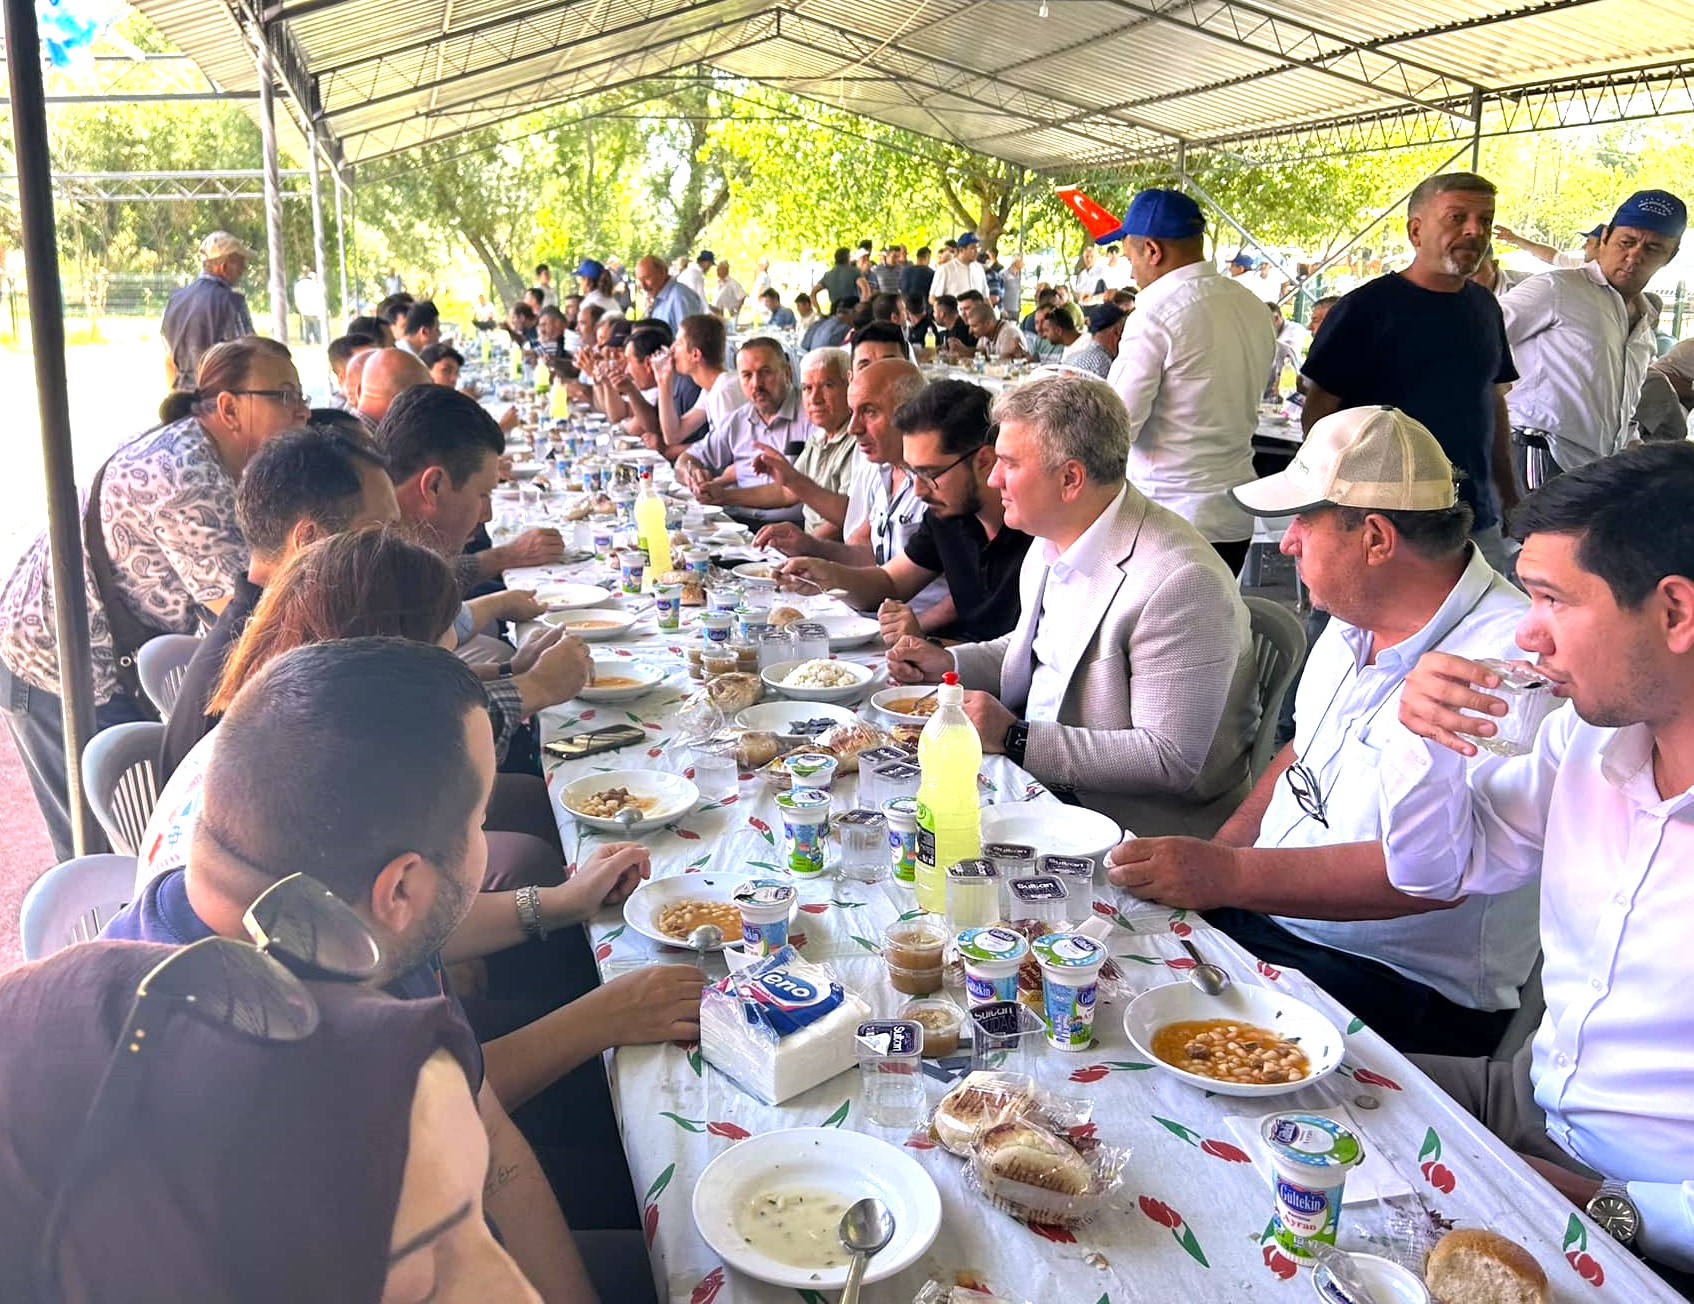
(1016, 742)
(528, 901)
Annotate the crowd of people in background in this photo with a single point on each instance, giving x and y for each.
(1069, 546)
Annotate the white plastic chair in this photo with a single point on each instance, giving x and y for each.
(120, 773)
(1279, 646)
(161, 664)
(71, 902)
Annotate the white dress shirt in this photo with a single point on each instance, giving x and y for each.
(695, 279)
(1062, 612)
(1191, 365)
(1477, 954)
(1613, 1059)
(1580, 363)
(723, 398)
(893, 516)
(954, 277)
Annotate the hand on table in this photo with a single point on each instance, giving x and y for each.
(710, 492)
(915, 660)
(542, 546)
(898, 621)
(557, 671)
(990, 717)
(520, 605)
(655, 1004)
(786, 537)
(1190, 873)
(604, 878)
(1438, 686)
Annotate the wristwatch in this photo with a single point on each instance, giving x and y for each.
(1016, 741)
(504, 670)
(1612, 1208)
(528, 902)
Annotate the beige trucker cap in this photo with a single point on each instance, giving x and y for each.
(1376, 458)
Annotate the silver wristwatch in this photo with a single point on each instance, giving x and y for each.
(529, 912)
(1614, 1211)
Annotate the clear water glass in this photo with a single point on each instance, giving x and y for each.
(1528, 696)
(811, 640)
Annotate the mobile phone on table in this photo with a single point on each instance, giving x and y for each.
(591, 742)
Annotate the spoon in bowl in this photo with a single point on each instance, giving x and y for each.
(707, 937)
(865, 1229)
(1206, 976)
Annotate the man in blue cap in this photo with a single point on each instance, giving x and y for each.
(1547, 254)
(1582, 338)
(1190, 364)
(962, 273)
(588, 274)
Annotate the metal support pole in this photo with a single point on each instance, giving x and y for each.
(341, 248)
(273, 190)
(47, 330)
(1476, 130)
(318, 235)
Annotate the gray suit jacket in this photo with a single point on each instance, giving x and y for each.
(1161, 699)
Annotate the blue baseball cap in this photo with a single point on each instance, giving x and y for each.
(1653, 210)
(589, 268)
(1593, 233)
(1241, 260)
(968, 238)
(1159, 215)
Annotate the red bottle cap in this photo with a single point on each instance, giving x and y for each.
(951, 677)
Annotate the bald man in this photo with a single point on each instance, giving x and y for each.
(387, 374)
(667, 298)
(353, 378)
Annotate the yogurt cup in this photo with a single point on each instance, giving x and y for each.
(632, 569)
(751, 622)
(805, 822)
(601, 537)
(813, 770)
(715, 626)
(902, 813)
(1070, 975)
(722, 599)
(667, 605)
(765, 906)
(1311, 1156)
(992, 957)
(697, 561)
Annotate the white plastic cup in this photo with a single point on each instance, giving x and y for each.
(667, 606)
(1311, 1155)
(992, 958)
(805, 821)
(1070, 977)
(813, 770)
(765, 906)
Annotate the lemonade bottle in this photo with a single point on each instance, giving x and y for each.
(949, 811)
(650, 525)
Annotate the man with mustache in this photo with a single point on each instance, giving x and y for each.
(771, 417)
(1432, 343)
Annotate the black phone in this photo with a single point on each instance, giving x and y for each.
(591, 742)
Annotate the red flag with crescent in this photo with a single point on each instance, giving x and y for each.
(1098, 221)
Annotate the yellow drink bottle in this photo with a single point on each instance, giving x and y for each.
(949, 811)
(650, 525)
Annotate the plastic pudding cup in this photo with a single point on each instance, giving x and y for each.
(913, 950)
(715, 626)
(667, 605)
(1311, 1156)
(813, 770)
(765, 905)
(632, 569)
(1070, 976)
(805, 822)
(992, 957)
(942, 1022)
(902, 813)
(890, 1055)
(718, 661)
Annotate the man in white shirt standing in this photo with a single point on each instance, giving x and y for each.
(727, 295)
(960, 274)
(1190, 367)
(1582, 338)
(1602, 807)
(1382, 543)
(694, 275)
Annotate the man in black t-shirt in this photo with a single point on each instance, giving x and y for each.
(948, 447)
(1432, 343)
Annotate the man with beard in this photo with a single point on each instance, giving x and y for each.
(1432, 342)
(771, 417)
(963, 537)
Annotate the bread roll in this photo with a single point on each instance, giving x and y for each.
(1021, 1152)
(979, 1101)
(846, 741)
(1472, 1266)
(734, 692)
(785, 616)
(756, 747)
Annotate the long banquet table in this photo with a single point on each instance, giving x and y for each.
(1193, 1222)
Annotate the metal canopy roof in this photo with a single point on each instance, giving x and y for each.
(1092, 83)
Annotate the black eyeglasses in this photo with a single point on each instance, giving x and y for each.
(292, 395)
(1308, 796)
(300, 929)
(931, 478)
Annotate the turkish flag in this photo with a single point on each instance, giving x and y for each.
(1099, 222)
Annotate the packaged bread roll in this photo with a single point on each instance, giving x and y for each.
(981, 1100)
(1472, 1266)
(734, 692)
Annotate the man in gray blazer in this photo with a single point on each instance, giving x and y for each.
(1130, 676)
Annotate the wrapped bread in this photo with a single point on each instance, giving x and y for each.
(578, 511)
(602, 505)
(1472, 1266)
(1022, 1154)
(756, 747)
(980, 1101)
(782, 617)
(846, 741)
(734, 692)
(693, 592)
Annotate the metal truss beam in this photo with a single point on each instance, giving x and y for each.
(162, 187)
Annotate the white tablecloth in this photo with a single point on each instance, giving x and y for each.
(1195, 1216)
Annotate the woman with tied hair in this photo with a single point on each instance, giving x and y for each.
(162, 552)
(348, 1165)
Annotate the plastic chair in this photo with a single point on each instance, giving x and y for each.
(71, 902)
(1279, 646)
(161, 663)
(121, 776)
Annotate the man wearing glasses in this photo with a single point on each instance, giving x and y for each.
(1296, 874)
(963, 537)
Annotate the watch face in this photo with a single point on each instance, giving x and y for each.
(1617, 1215)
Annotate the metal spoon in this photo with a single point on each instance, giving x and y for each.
(628, 816)
(705, 938)
(1204, 975)
(865, 1229)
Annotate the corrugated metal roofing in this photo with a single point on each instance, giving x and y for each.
(1087, 83)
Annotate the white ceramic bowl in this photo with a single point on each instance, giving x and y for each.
(527, 470)
(848, 629)
(884, 700)
(755, 570)
(1052, 828)
(777, 716)
(592, 624)
(641, 911)
(568, 597)
(774, 677)
(1262, 1007)
(646, 677)
(673, 798)
(849, 1165)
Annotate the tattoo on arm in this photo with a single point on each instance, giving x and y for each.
(499, 1177)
